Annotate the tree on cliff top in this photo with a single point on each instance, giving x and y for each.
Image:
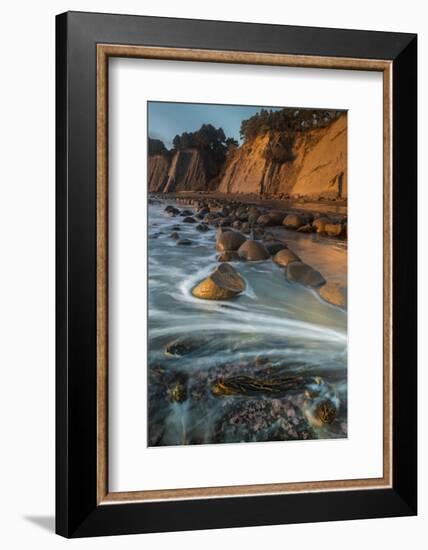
(208, 139)
(285, 120)
(157, 147)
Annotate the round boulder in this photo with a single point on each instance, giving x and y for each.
(203, 211)
(180, 347)
(223, 283)
(333, 229)
(228, 256)
(189, 219)
(171, 210)
(253, 211)
(229, 240)
(245, 227)
(253, 251)
(320, 223)
(284, 257)
(242, 213)
(298, 272)
(271, 219)
(293, 221)
(210, 216)
(273, 247)
(276, 218)
(334, 294)
(225, 222)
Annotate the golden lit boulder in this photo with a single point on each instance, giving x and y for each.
(320, 224)
(293, 221)
(271, 219)
(253, 251)
(284, 257)
(229, 240)
(334, 294)
(223, 283)
(333, 229)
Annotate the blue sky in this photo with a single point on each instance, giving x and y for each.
(166, 120)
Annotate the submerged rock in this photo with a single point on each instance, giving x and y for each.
(184, 242)
(181, 346)
(284, 257)
(334, 294)
(203, 211)
(223, 283)
(211, 216)
(229, 240)
(171, 210)
(321, 412)
(175, 235)
(298, 272)
(177, 390)
(202, 227)
(253, 251)
(325, 411)
(248, 385)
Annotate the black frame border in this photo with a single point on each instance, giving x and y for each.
(77, 512)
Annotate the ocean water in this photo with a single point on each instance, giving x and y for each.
(277, 333)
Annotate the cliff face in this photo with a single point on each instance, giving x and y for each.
(312, 164)
(186, 170)
(318, 166)
(158, 167)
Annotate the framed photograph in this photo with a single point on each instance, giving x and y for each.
(236, 274)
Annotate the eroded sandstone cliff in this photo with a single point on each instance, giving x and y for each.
(310, 164)
(316, 164)
(184, 170)
(158, 168)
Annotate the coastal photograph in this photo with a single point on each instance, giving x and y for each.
(247, 273)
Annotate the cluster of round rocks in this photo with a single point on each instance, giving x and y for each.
(232, 246)
(244, 217)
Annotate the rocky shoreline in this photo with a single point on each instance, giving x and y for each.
(210, 384)
(253, 231)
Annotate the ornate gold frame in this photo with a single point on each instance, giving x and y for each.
(104, 52)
